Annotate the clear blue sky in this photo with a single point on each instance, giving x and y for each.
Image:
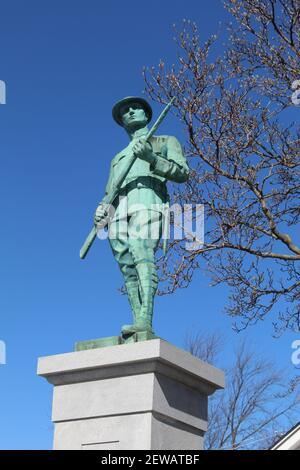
(65, 63)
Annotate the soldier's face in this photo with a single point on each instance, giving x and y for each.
(133, 116)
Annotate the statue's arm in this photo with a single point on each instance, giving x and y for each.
(175, 167)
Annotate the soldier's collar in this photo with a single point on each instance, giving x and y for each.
(140, 133)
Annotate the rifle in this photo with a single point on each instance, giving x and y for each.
(109, 198)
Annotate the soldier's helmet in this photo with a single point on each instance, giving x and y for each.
(116, 111)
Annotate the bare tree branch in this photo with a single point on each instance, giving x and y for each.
(244, 157)
(255, 403)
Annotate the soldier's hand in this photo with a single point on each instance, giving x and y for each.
(100, 214)
(143, 150)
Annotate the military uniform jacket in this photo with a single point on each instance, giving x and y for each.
(145, 184)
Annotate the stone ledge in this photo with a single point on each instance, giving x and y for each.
(131, 359)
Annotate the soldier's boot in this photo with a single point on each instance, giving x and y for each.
(147, 287)
(146, 313)
(133, 294)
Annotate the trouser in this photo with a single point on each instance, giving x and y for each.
(134, 240)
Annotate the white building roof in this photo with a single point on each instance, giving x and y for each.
(290, 440)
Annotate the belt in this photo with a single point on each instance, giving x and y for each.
(148, 182)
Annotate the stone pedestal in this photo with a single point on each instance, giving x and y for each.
(143, 395)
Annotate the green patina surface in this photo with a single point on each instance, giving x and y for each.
(114, 341)
(143, 198)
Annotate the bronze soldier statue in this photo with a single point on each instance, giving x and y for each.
(136, 226)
